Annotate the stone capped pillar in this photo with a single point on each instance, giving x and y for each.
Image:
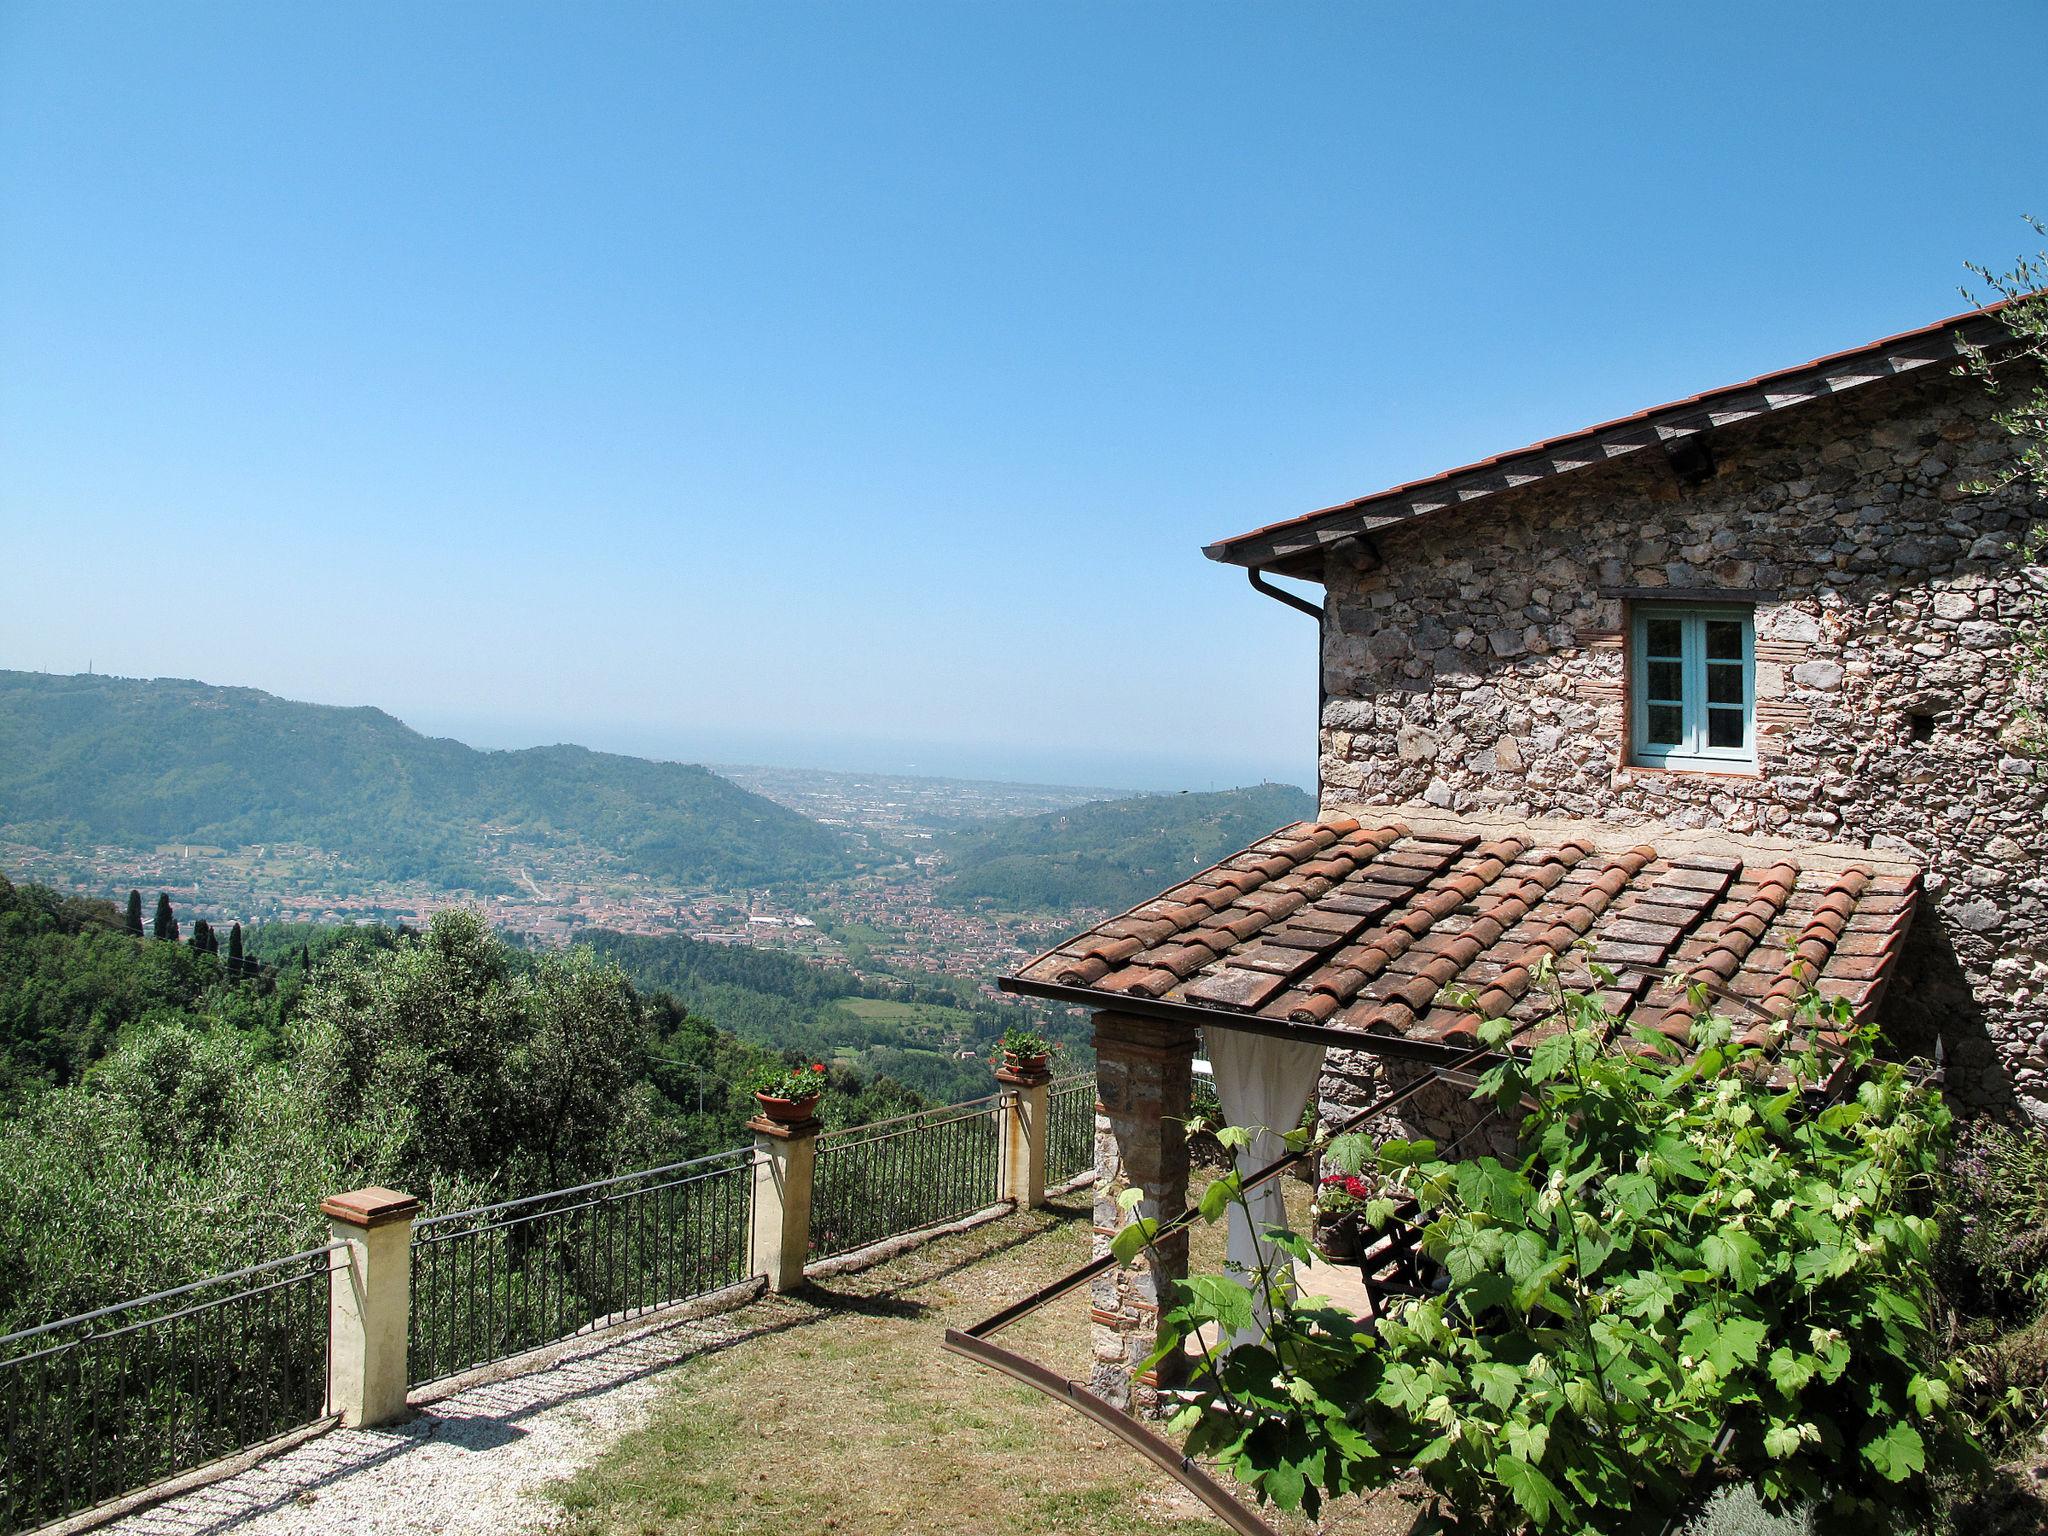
(369, 1294)
(1021, 1119)
(785, 1162)
(1143, 1069)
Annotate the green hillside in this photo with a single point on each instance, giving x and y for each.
(88, 761)
(912, 1030)
(139, 1073)
(1110, 853)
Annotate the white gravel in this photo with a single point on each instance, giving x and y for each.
(469, 1464)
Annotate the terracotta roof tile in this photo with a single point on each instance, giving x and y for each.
(1234, 987)
(1370, 928)
(1138, 979)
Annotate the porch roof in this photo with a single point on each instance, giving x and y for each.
(1369, 925)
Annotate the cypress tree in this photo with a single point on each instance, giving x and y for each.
(133, 922)
(202, 937)
(235, 965)
(166, 924)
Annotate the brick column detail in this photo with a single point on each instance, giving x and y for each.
(1143, 1071)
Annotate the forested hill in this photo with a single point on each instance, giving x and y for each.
(931, 1033)
(90, 761)
(1111, 853)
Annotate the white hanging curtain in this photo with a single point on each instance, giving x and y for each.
(1265, 1084)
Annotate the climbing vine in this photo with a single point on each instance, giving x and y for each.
(1695, 1269)
(2016, 377)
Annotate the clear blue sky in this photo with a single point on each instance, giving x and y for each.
(853, 384)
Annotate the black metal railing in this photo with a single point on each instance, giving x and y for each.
(1070, 1127)
(499, 1280)
(112, 1401)
(896, 1176)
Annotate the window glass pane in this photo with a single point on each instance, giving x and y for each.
(1724, 640)
(1667, 725)
(1724, 683)
(1724, 727)
(1664, 680)
(1662, 636)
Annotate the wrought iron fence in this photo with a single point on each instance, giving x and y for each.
(895, 1176)
(1070, 1127)
(111, 1401)
(496, 1281)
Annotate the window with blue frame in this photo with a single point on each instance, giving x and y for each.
(1692, 686)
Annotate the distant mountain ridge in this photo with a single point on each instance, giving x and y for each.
(1109, 853)
(92, 760)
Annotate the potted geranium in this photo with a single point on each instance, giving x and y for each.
(789, 1095)
(1340, 1202)
(1024, 1050)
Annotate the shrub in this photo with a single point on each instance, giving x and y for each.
(1993, 1205)
(1690, 1264)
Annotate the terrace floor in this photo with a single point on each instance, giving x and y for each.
(836, 1410)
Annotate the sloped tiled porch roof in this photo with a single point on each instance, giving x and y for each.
(1360, 924)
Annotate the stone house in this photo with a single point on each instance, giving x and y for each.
(1727, 689)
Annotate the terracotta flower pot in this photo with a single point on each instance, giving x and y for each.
(1026, 1064)
(786, 1111)
(1336, 1237)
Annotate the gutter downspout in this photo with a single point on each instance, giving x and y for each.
(1302, 605)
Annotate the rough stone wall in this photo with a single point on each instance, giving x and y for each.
(1482, 667)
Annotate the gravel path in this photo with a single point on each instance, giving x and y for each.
(467, 1465)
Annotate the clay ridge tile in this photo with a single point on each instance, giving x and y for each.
(1149, 930)
(1113, 949)
(1273, 903)
(1508, 989)
(1333, 868)
(1730, 944)
(1242, 925)
(1139, 980)
(1183, 959)
(1517, 892)
(1079, 971)
(1304, 1008)
(1806, 964)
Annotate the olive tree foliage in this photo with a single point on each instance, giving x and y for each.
(2016, 376)
(463, 1062)
(448, 1065)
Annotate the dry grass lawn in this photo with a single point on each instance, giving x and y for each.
(839, 1411)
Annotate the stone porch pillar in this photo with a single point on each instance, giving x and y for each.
(1142, 1074)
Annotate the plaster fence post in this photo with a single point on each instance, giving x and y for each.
(1021, 1127)
(785, 1160)
(369, 1296)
